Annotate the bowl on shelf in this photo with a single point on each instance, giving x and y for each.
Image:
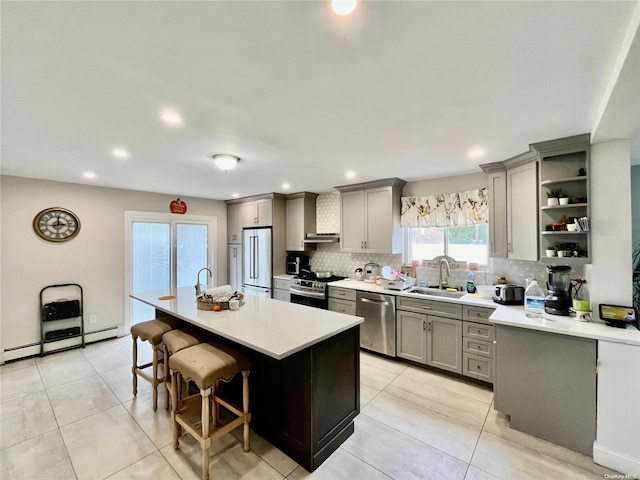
(571, 227)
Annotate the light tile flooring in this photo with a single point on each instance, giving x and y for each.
(72, 415)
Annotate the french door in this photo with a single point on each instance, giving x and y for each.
(165, 251)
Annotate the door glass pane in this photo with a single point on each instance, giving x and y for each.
(191, 254)
(151, 267)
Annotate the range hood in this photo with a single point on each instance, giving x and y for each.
(321, 238)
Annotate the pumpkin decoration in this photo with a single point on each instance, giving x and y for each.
(178, 206)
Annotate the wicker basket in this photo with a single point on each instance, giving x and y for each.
(207, 305)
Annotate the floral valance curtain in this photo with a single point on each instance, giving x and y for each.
(446, 210)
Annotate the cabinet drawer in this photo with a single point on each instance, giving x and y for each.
(431, 307)
(284, 295)
(342, 293)
(477, 314)
(477, 367)
(477, 347)
(342, 306)
(281, 283)
(479, 331)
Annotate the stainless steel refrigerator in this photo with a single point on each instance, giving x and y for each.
(256, 247)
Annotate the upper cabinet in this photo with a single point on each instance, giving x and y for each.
(234, 223)
(513, 207)
(257, 214)
(301, 219)
(564, 200)
(370, 216)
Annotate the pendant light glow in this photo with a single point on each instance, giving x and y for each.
(344, 7)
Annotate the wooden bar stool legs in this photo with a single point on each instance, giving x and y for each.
(207, 364)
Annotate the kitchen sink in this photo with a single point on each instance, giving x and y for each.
(436, 292)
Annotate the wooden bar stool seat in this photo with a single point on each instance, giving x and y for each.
(150, 331)
(176, 340)
(206, 364)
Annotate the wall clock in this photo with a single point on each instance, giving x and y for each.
(56, 224)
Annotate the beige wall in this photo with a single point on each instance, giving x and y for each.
(94, 259)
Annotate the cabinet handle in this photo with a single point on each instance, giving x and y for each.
(234, 236)
(597, 365)
(509, 247)
(255, 219)
(365, 244)
(341, 294)
(429, 329)
(424, 325)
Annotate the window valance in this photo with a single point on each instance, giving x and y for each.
(457, 209)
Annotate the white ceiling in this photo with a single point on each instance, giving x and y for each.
(397, 89)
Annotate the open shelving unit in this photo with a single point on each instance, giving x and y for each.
(564, 165)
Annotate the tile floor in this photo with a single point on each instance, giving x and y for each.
(72, 415)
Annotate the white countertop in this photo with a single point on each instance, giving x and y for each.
(272, 327)
(285, 276)
(514, 316)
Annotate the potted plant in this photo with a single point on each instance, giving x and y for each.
(550, 251)
(563, 198)
(552, 196)
(561, 249)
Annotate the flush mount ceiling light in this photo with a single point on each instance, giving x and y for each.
(343, 7)
(225, 162)
(171, 118)
(120, 153)
(477, 153)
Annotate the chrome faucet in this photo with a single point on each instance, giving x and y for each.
(198, 290)
(443, 283)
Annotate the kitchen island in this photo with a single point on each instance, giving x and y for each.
(305, 369)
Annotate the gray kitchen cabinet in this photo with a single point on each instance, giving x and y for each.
(444, 343)
(513, 211)
(234, 223)
(430, 332)
(370, 217)
(281, 289)
(342, 300)
(301, 219)
(546, 382)
(478, 347)
(258, 213)
(564, 166)
(235, 266)
(411, 336)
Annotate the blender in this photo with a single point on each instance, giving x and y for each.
(558, 300)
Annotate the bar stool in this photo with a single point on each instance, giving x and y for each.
(150, 331)
(206, 364)
(174, 341)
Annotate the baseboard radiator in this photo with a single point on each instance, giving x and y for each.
(32, 349)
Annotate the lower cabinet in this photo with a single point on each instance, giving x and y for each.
(235, 267)
(430, 340)
(342, 300)
(281, 289)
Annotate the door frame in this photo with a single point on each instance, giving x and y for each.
(131, 216)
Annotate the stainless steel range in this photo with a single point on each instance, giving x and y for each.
(308, 289)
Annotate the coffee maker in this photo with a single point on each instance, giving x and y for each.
(558, 300)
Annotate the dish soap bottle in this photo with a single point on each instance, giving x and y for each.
(471, 285)
(534, 300)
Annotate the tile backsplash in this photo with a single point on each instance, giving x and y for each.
(328, 257)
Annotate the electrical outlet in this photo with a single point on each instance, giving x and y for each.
(93, 318)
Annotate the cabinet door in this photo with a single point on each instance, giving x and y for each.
(498, 214)
(235, 266)
(250, 214)
(234, 223)
(411, 336)
(295, 225)
(522, 212)
(283, 295)
(444, 343)
(378, 220)
(352, 221)
(265, 213)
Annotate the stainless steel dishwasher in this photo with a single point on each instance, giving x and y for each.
(378, 332)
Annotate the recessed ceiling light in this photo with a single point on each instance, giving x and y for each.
(235, 195)
(476, 153)
(120, 153)
(344, 7)
(350, 174)
(286, 186)
(171, 118)
(89, 175)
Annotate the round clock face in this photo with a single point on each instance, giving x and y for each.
(56, 224)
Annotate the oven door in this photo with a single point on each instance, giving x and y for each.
(310, 299)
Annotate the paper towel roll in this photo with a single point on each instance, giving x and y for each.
(215, 291)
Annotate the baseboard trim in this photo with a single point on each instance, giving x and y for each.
(32, 349)
(615, 460)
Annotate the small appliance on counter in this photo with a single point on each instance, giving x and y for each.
(558, 301)
(371, 271)
(508, 294)
(296, 263)
(358, 274)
